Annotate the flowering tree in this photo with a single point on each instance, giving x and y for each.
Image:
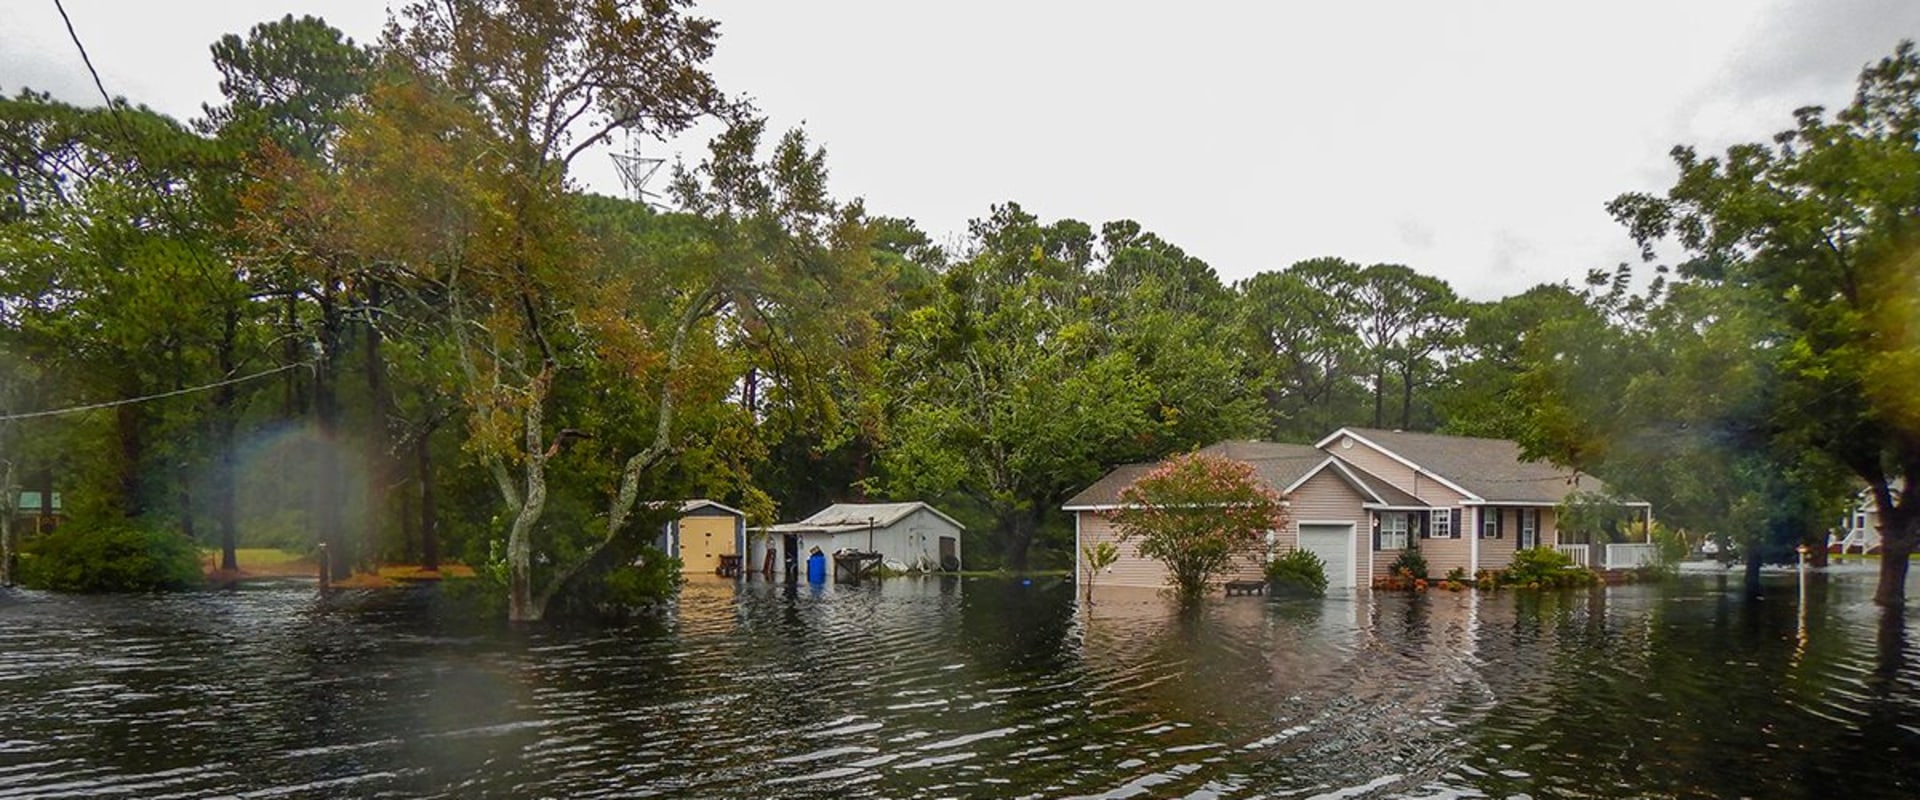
(1195, 513)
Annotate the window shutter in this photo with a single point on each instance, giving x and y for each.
(1453, 527)
(1426, 524)
(1480, 530)
(1376, 532)
(1499, 524)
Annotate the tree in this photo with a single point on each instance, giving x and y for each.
(498, 97)
(1010, 395)
(1197, 513)
(1300, 328)
(1815, 236)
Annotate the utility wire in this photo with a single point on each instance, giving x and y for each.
(161, 396)
(84, 58)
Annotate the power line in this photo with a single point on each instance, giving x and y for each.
(151, 397)
(84, 58)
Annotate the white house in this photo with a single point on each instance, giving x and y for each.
(911, 535)
(1860, 530)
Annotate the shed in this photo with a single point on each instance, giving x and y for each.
(702, 532)
(915, 534)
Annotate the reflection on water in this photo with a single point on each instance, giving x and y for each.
(975, 688)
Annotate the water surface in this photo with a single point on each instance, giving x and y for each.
(971, 688)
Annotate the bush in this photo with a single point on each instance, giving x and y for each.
(1300, 571)
(1543, 568)
(654, 579)
(1411, 565)
(112, 556)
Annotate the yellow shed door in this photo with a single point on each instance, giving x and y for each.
(703, 540)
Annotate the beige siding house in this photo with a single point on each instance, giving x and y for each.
(1359, 497)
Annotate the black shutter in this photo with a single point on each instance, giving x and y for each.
(1480, 528)
(1426, 524)
(1454, 518)
(1499, 523)
(1376, 532)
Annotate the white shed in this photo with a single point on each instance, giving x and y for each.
(915, 535)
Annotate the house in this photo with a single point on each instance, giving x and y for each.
(1359, 497)
(31, 516)
(702, 533)
(1859, 532)
(910, 535)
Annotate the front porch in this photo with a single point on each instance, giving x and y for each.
(1611, 555)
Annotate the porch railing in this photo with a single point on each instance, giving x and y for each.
(1580, 553)
(1630, 556)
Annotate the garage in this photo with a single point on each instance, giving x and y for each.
(1333, 543)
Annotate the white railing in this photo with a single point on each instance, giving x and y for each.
(1630, 556)
(1580, 553)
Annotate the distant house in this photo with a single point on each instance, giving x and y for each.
(32, 516)
(913, 535)
(1860, 531)
(702, 532)
(1359, 497)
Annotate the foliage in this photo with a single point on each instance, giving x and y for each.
(1098, 556)
(654, 578)
(1300, 571)
(1812, 242)
(1410, 564)
(110, 556)
(1197, 514)
(1031, 374)
(1543, 568)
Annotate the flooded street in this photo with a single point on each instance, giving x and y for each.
(972, 688)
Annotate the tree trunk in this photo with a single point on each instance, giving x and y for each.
(1020, 526)
(429, 514)
(330, 493)
(1752, 584)
(130, 433)
(1897, 540)
(1379, 395)
(7, 500)
(381, 461)
(521, 605)
(223, 425)
(1406, 396)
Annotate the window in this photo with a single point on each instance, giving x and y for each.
(1393, 531)
(1529, 528)
(1859, 520)
(1442, 522)
(1489, 523)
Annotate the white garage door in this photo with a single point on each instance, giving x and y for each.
(1334, 545)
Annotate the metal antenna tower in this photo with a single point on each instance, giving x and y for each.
(636, 170)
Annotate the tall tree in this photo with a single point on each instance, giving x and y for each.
(1816, 234)
(1301, 325)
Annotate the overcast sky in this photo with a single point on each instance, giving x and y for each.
(1477, 141)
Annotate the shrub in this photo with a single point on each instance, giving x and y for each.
(654, 579)
(1300, 571)
(1196, 514)
(110, 556)
(1544, 567)
(1411, 564)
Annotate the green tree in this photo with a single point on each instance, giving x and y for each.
(1815, 235)
(1303, 344)
(1011, 396)
(1197, 514)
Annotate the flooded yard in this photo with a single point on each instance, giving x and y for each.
(972, 688)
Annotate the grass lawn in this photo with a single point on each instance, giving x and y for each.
(266, 562)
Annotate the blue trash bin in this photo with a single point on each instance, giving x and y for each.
(817, 567)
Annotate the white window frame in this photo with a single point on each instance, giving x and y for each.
(1440, 523)
(1859, 520)
(1529, 528)
(1489, 522)
(1387, 522)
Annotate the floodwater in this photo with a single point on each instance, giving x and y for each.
(973, 688)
